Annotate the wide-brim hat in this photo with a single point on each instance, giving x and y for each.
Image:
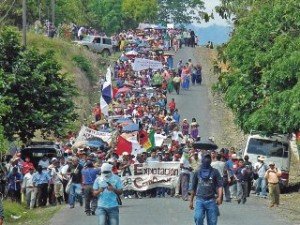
(271, 164)
(261, 158)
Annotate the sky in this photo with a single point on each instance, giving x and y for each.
(210, 6)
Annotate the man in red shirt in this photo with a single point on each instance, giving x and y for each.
(97, 112)
(172, 105)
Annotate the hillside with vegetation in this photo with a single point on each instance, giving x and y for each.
(49, 87)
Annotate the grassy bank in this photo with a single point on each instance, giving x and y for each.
(18, 214)
(80, 66)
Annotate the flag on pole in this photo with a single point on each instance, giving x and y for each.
(147, 140)
(144, 139)
(123, 146)
(106, 93)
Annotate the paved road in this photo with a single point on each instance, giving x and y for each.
(194, 103)
(172, 211)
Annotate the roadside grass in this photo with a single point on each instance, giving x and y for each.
(84, 71)
(17, 214)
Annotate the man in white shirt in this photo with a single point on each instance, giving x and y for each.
(29, 189)
(65, 176)
(185, 174)
(218, 164)
(44, 162)
(177, 135)
(57, 179)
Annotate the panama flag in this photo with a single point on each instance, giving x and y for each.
(106, 94)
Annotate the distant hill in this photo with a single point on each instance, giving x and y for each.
(215, 33)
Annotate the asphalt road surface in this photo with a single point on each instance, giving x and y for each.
(173, 211)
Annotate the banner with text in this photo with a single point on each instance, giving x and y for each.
(145, 176)
(86, 134)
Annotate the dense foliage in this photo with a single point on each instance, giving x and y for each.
(263, 85)
(36, 95)
(180, 12)
(107, 15)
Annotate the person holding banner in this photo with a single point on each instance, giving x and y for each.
(185, 174)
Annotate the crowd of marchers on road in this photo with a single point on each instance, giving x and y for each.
(138, 108)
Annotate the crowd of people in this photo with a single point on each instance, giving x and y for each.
(139, 98)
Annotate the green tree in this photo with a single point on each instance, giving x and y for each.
(106, 14)
(140, 10)
(262, 86)
(181, 12)
(40, 97)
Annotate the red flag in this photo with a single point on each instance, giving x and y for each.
(143, 137)
(123, 146)
(115, 91)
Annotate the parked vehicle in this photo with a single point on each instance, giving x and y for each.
(98, 44)
(275, 148)
(36, 150)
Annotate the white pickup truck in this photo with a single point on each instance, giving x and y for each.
(98, 44)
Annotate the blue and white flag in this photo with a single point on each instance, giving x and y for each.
(106, 93)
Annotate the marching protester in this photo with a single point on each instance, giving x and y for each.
(57, 180)
(89, 175)
(185, 174)
(75, 192)
(208, 188)
(107, 187)
(241, 176)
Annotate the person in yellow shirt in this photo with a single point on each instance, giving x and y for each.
(272, 175)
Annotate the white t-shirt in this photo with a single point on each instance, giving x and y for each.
(219, 165)
(64, 170)
(176, 136)
(44, 164)
(186, 164)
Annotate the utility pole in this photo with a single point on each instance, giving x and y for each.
(40, 10)
(24, 22)
(53, 12)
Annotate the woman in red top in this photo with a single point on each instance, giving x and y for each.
(27, 165)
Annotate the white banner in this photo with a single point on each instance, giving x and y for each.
(87, 133)
(145, 176)
(143, 64)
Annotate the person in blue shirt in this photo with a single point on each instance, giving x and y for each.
(176, 116)
(107, 187)
(170, 62)
(89, 175)
(41, 180)
(14, 185)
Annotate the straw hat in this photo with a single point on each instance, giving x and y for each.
(261, 158)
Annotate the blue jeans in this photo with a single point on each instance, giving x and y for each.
(261, 186)
(75, 191)
(108, 216)
(194, 78)
(208, 207)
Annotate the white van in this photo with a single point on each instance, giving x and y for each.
(275, 148)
